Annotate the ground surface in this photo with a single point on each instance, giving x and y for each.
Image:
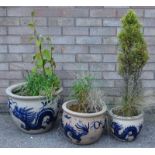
(11, 136)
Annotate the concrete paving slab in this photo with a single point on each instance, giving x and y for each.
(12, 137)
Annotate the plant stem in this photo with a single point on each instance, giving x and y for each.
(43, 66)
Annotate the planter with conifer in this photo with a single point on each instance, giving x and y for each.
(127, 119)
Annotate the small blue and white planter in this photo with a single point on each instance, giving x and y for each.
(32, 114)
(82, 128)
(126, 128)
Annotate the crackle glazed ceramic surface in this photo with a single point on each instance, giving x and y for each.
(32, 114)
(82, 128)
(126, 128)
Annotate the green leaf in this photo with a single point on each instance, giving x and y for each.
(34, 57)
(38, 60)
(46, 54)
(31, 25)
(37, 55)
(39, 63)
(34, 70)
(33, 14)
(38, 43)
(48, 71)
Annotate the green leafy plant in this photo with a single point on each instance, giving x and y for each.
(88, 98)
(80, 90)
(42, 79)
(132, 57)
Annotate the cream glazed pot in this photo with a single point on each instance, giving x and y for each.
(126, 128)
(82, 128)
(32, 114)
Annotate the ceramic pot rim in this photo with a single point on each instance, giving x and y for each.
(140, 115)
(64, 107)
(11, 94)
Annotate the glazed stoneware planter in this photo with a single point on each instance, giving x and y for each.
(126, 128)
(82, 128)
(32, 114)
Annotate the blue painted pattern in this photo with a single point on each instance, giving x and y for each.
(67, 116)
(77, 133)
(32, 120)
(128, 134)
(79, 130)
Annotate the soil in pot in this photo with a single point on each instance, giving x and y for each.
(126, 112)
(76, 108)
(20, 91)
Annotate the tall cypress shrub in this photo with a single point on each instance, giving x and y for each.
(132, 57)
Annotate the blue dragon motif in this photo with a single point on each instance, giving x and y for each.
(128, 134)
(81, 130)
(33, 120)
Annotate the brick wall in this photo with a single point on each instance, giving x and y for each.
(84, 38)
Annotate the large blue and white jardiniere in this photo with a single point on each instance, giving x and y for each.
(126, 128)
(82, 128)
(32, 114)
